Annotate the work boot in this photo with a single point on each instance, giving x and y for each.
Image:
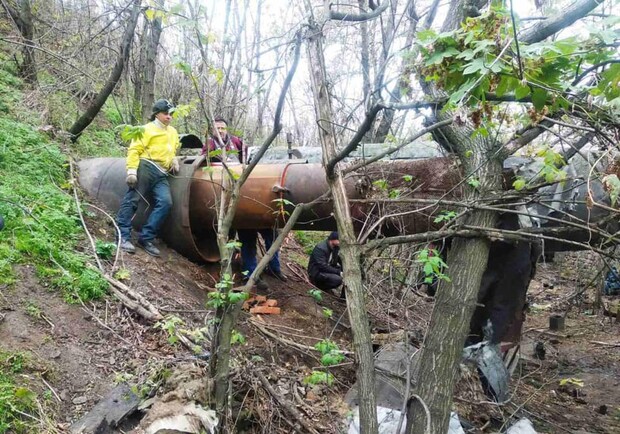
(277, 275)
(261, 285)
(127, 246)
(149, 247)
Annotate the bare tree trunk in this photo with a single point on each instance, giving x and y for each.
(23, 20)
(137, 115)
(365, 50)
(148, 94)
(456, 300)
(123, 56)
(441, 353)
(349, 250)
(227, 312)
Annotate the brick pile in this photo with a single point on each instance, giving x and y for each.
(259, 304)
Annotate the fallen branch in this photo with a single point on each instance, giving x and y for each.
(134, 300)
(286, 341)
(290, 409)
(606, 344)
(118, 234)
(79, 211)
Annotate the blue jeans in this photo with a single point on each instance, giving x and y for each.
(150, 181)
(248, 239)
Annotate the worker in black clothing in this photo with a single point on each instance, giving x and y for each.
(325, 266)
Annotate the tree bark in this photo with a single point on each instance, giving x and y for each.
(137, 113)
(22, 17)
(349, 250)
(148, 90)
(123, 56)
(456, 300)
(226, 314)
(437, 370)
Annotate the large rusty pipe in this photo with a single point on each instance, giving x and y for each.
(196, 189)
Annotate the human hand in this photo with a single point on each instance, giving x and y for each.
(175, 165)
(132, 180)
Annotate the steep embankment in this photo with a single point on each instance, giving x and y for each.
(65, 343)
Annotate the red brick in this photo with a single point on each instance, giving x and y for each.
(265, 310)
(271, 302)
(261, 298)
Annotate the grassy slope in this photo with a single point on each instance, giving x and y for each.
(42, 227)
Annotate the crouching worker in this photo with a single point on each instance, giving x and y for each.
(325, 266)
(149, 161)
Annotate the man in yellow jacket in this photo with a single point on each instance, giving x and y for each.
(149, 161)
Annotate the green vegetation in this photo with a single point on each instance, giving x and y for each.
(41, 220)
(330, 354)
(316, 294)
(309, 239)
(319, 377)
(15, 400)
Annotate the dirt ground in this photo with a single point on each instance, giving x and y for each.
(84, 350)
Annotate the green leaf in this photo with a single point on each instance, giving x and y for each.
(521, 91)
(381, 184)
(539, 98)
(316, 294)
(282, 201)
(438, 56)
(394, 194)
(474, 183)
(612, 185)
(184, 68)
(427, 36)
(407, 178)
(236, 297)
(519, 184)
(236, 338)
(319, 377)
(466, 55)
(332, 358)
(476, 65)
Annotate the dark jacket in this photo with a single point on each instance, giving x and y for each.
(324, 260)
(232, 143)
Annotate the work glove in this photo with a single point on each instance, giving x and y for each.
(132, 178)
(175, 165)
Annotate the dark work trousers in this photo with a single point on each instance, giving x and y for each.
(248, 239)
(326, 281)
(503, 289)
(151, 181)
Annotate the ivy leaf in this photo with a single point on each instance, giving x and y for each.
(475, 66)
(466, 55)
(438, 56)
(539, 98)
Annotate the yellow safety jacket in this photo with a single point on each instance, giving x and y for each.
(157, 144)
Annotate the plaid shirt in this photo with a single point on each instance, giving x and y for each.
(232, 143)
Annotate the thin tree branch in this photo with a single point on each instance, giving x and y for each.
(398, 147)
(545, 28)
(343, 16)
(592, 68)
